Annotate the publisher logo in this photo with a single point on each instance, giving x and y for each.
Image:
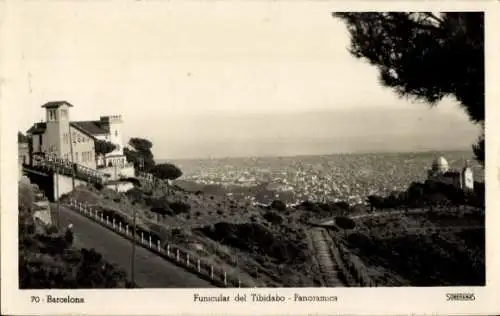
(460, 297)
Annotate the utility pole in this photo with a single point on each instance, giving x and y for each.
(132, 264)
(71, 154)
(116, 179)
(57, 198)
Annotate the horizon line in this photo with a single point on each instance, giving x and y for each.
(360, 152)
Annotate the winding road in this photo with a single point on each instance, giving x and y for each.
(151, 271)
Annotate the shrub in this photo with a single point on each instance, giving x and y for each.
(278, 205)
(345, 222)
(179, 207)
(273, 218)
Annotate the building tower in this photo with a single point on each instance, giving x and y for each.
(113, 124)
(467, 177)
(57, 128)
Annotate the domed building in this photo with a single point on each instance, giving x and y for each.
(440, 171)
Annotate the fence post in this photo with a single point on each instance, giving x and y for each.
(102, 217)
(158, 244)
(199, 268)
(225, 278)
(212, 272)
(120, 226)
(113, 222)
(239, 282)
(187, 259)
(107, 219)
(177, 256)
(142, 237)
(126, 229)
(168, 250)
(149, 241)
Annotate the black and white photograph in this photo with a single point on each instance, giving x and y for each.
(204, 148)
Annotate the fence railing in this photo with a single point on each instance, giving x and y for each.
(67, 168)
(171, 252)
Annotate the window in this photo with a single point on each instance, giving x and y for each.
(40, 140)
(116, 132)
(52, 115)
(76, 157)
(64, 113)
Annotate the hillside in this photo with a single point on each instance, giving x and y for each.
(48, 260)
(271, 245)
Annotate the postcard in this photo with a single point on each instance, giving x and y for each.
(250, 157)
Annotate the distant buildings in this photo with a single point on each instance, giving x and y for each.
(75, 140)
(440, 171)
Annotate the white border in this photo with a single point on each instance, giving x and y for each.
(373, 301)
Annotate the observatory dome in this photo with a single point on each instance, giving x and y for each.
(440, 165)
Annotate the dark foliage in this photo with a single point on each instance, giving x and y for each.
(256, 239)
(424, 55)
(140, 154)
(103, 147)
(426, 260)
(179, 207)
(140, 144)
(273, 218)
(51, 262)
(21, 138)
(345, 222)
(278, 205)
(166, 171)
(135, 195)
(430, 194)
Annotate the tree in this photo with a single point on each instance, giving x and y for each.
(166, 171)
(425, 56)
(21, 138)
(345, 223)
(140, 154)
(135, 195)
(375, 202)
(103, 147)
(160, 208)
(140, 144)
(278, 205)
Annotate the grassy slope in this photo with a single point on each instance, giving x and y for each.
(421, 250)
(394, 250)
(281, 256)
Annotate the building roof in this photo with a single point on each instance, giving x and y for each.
(56, 104)
(91, 127)
(441, 164)
(37, 128)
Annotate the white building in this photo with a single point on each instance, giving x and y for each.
(440, 171)
(75, 140)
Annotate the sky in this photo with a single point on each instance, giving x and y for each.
(219, 79)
